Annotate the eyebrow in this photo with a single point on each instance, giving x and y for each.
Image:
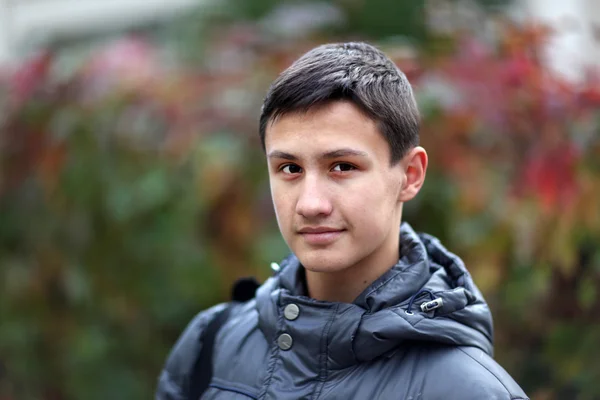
(345, 152)
(282, 154)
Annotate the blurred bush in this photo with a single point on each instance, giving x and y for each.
(123, 187)
(513, 188)
(133, 191)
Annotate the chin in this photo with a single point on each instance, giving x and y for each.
(318, 261)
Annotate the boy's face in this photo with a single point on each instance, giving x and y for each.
(336, 197)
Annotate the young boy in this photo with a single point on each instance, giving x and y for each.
(364, 308)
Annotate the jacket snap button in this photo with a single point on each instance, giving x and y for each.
(291, 312)
(285, 341)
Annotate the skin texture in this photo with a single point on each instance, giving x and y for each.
(329, 170)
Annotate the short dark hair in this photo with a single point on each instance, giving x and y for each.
(357, 72)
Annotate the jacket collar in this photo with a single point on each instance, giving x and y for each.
(376, 322)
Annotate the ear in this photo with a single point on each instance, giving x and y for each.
(414, 164)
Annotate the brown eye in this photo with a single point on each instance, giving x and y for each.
(343, 167)
(291, 169)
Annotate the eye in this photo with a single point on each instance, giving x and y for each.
(290, 169)
(343, 167)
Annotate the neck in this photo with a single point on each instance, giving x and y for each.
(346, 285)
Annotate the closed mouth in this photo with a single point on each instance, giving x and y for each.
(320, 229)
(321, 236)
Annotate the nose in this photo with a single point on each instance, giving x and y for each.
(313, 200)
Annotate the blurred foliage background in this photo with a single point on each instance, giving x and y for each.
(133, 189)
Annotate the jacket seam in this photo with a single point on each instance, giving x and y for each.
(491, 373)
(382, 284)
(488, 337)
(446, 316)
(232, 389)
(274, 353)
(324, 354)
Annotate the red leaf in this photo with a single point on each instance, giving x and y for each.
(551, 177)
(29, 77)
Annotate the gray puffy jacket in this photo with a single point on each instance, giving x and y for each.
(283, 345)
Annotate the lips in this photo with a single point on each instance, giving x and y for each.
(320, 236)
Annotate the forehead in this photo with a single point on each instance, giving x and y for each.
(339, 124)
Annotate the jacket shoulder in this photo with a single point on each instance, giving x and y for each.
(469, 373)
(495, 372)
(173, 378)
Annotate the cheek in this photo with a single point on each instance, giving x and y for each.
(282, 203)
(372, 208)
